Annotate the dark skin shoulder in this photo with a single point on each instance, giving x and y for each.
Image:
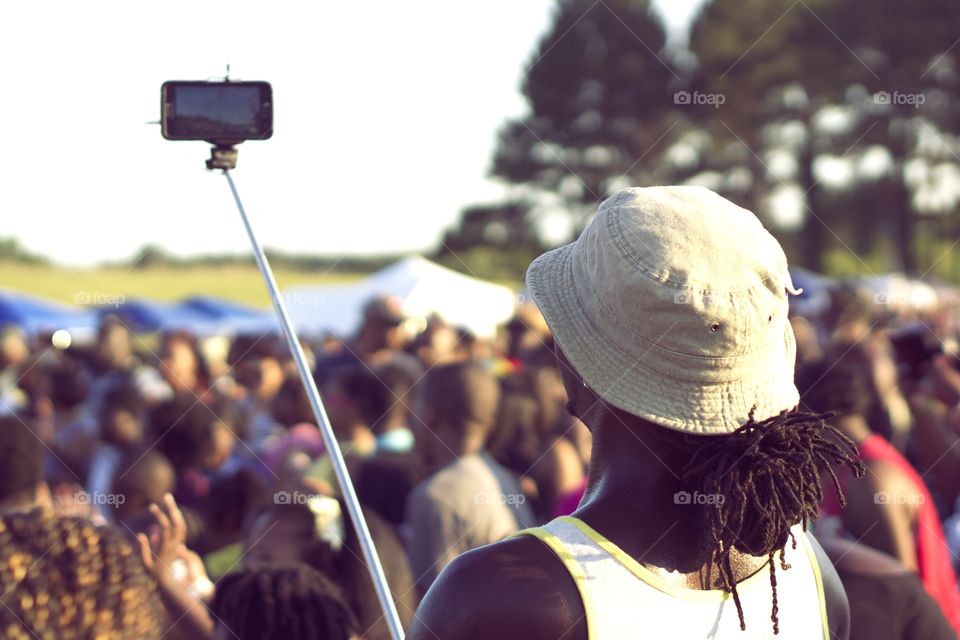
(518, 589)
(515, 589)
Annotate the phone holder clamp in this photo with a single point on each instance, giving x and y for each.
(222, 156)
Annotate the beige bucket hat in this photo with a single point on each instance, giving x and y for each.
(672, 305)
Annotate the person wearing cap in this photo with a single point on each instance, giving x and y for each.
(670, 316)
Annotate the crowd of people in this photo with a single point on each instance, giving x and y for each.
(167, 486)
(189, 481)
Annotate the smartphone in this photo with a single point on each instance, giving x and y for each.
(217, 112)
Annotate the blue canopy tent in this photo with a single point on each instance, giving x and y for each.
(240, 318)
(147, 316)
(36, 315)
(200, 315)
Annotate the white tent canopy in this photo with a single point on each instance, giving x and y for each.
(422, 287)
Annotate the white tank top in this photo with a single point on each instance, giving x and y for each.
(623, 599)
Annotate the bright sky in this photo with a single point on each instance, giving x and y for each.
(385, 120)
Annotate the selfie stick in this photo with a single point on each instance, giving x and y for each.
(339, 466)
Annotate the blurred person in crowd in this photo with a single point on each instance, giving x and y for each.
(670, 313)
(889, 412)
(286, 601)
(471, 347)
(809, 348)
(849, 316)
(234, 498)
(122, 424)
(74, 423)
(291, 406)
(113, 350)
(515, 439)
(527, 333)
(113, 360)
(388, 407)
(437, 344)
(384, 481)
(22, 484)
(292, 454)
(198, 439)
(181, 363)
(886, 599)
(469, 499)
(381, 329)
(14, 352)
(347, 397)
(381, 333)
(892, 509)
(539, 449)
(66, 578)
(317, 530)
(936, 436)
(179, 573)
(559, 469)
(259, 372)
(142, 478)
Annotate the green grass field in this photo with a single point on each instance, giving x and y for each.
(104, 285)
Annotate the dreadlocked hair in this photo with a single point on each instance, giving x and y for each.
(768, 473)
(64, 577)
(282, 601)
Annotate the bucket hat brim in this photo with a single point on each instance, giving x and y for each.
(632, 383)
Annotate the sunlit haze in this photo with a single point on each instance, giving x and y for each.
(385, 121)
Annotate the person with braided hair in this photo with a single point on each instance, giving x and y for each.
(293, 602)
(670, 318)
(65, 578)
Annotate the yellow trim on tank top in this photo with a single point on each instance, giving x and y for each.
(819, 578)
(574, 569)
(657, 582)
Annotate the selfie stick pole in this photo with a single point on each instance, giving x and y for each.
(339, 466)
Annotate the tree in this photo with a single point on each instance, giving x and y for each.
(599, 89)
(505, 225)
(12, 250)
(844, 58)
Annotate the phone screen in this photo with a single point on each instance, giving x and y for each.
(217, 111)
